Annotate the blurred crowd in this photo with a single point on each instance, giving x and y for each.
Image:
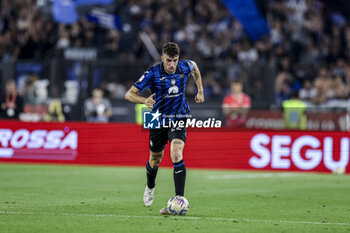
(312, 52)
(308, 45)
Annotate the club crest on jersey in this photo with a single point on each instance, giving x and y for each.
(173, 89)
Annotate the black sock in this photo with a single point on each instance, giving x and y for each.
(151, 175)
(179, 177)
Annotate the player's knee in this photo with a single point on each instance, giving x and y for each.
(177, 146)
(155, 159)
(155, 162)
(176, 156)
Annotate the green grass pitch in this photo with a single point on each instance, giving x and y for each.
(47, 198)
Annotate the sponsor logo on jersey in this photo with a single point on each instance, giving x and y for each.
(173, 90)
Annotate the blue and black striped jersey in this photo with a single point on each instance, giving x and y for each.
(169, 89)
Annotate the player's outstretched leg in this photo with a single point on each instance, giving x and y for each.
(179, 172)
(148, 195)
(177, 146)
(151, 170)
(179, 177)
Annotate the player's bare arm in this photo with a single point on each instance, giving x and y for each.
(196, 74)
(133, 95)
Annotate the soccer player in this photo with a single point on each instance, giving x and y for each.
(167, 81)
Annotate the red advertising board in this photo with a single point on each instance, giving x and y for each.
(127, 145)
(316, 121)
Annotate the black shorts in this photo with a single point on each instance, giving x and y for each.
(158, 138)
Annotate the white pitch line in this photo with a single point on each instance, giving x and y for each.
(177, 217)
(253, 176)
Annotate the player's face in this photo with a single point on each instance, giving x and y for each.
(170, 63)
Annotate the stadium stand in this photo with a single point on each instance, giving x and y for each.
(307, 50)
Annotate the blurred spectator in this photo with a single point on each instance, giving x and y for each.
(28, 93)
(340, 69)
(63, 37)
(323, 84)
(11, 103)
(283, 93)
(76, 34)
(71, 93)
(97, 108)
(55, 111)
(116, 90)
(294, 116)
(247, 54)
(112, 43)
(339, 88)
(236, 105)
(41, 92)
(210, 86)
(308, 92)
(283, 81)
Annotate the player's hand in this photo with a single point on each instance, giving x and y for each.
(150, 101)
(199, 98)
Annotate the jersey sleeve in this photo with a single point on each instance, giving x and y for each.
(190, 65)
(144, 81)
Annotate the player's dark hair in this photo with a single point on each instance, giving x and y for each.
(171, 49)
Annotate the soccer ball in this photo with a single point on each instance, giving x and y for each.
(178, 205)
